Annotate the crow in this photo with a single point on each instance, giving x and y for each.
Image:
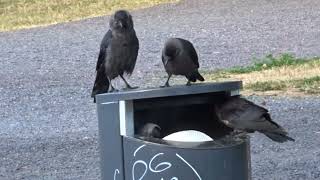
(150, 130)
(118, 53)
(179, 57)
(241, 114)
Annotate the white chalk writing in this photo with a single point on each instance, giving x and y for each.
(189, 165)
(116, 171)
(162, 166)
(145, 169)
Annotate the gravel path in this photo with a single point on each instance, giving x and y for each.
(48, 124)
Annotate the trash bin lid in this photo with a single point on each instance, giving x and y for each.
(175, 90)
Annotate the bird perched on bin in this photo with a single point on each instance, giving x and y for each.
(179, 57)
(118, 53)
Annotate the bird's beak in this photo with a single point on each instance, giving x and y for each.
(158, 127)
(120, 24)
(225, 122)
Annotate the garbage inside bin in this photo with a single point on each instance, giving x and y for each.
(188, 136)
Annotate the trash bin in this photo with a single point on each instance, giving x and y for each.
(125, 156)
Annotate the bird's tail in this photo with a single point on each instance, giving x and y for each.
(278, 137)
(199, 77)
(196, 76)
(101, 85)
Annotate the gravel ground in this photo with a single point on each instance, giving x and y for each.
(48, 123)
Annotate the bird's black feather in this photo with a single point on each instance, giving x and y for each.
(103, 49)
(188, 46)
(101, 83)
(241, 114)
(135, 48)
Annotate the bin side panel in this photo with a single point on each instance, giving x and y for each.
(146, 161)
(111, 149)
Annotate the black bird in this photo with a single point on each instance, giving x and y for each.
(150, 130)
(118, 53)
(241, 114)
(179, 57)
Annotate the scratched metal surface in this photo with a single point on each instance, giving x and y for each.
(153, 161)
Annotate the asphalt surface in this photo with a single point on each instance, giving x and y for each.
(48, 123)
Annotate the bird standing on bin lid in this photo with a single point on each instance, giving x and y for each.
(118, 53)
(241, 114)
(179, 57)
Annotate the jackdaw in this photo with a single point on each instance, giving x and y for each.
(179, 57)
(241, 114)
(150, 130)
(118, 53)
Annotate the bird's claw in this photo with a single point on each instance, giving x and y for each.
(238, 133)
(114, 90)
(164, 86)
(130, 87)
(134, 87)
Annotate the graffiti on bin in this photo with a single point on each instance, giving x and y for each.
(116, 171)
(156, 168)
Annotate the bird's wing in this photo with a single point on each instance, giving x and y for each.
(253, 104)
(241, 111)
(233, 108)
(101, 83)
(253, 116)
(260, 114)
(261, 123)
(134, 54)
(246, 115)
(188, 47)
(103, 49)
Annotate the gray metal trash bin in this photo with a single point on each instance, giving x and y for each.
(126, 157)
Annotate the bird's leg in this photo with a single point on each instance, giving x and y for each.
(235, 132)
(188, 83)
(127, 84)
(112, 88)
(238, 133)
(167, 82)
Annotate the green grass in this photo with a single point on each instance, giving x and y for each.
(309, 85)
(285, 73)
(17, 14)
(269, 62)
(267, 86)
(306, 85)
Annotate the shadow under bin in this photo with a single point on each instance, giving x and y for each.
(126, 156)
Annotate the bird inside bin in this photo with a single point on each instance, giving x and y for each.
(235, 112)
(151, 130)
